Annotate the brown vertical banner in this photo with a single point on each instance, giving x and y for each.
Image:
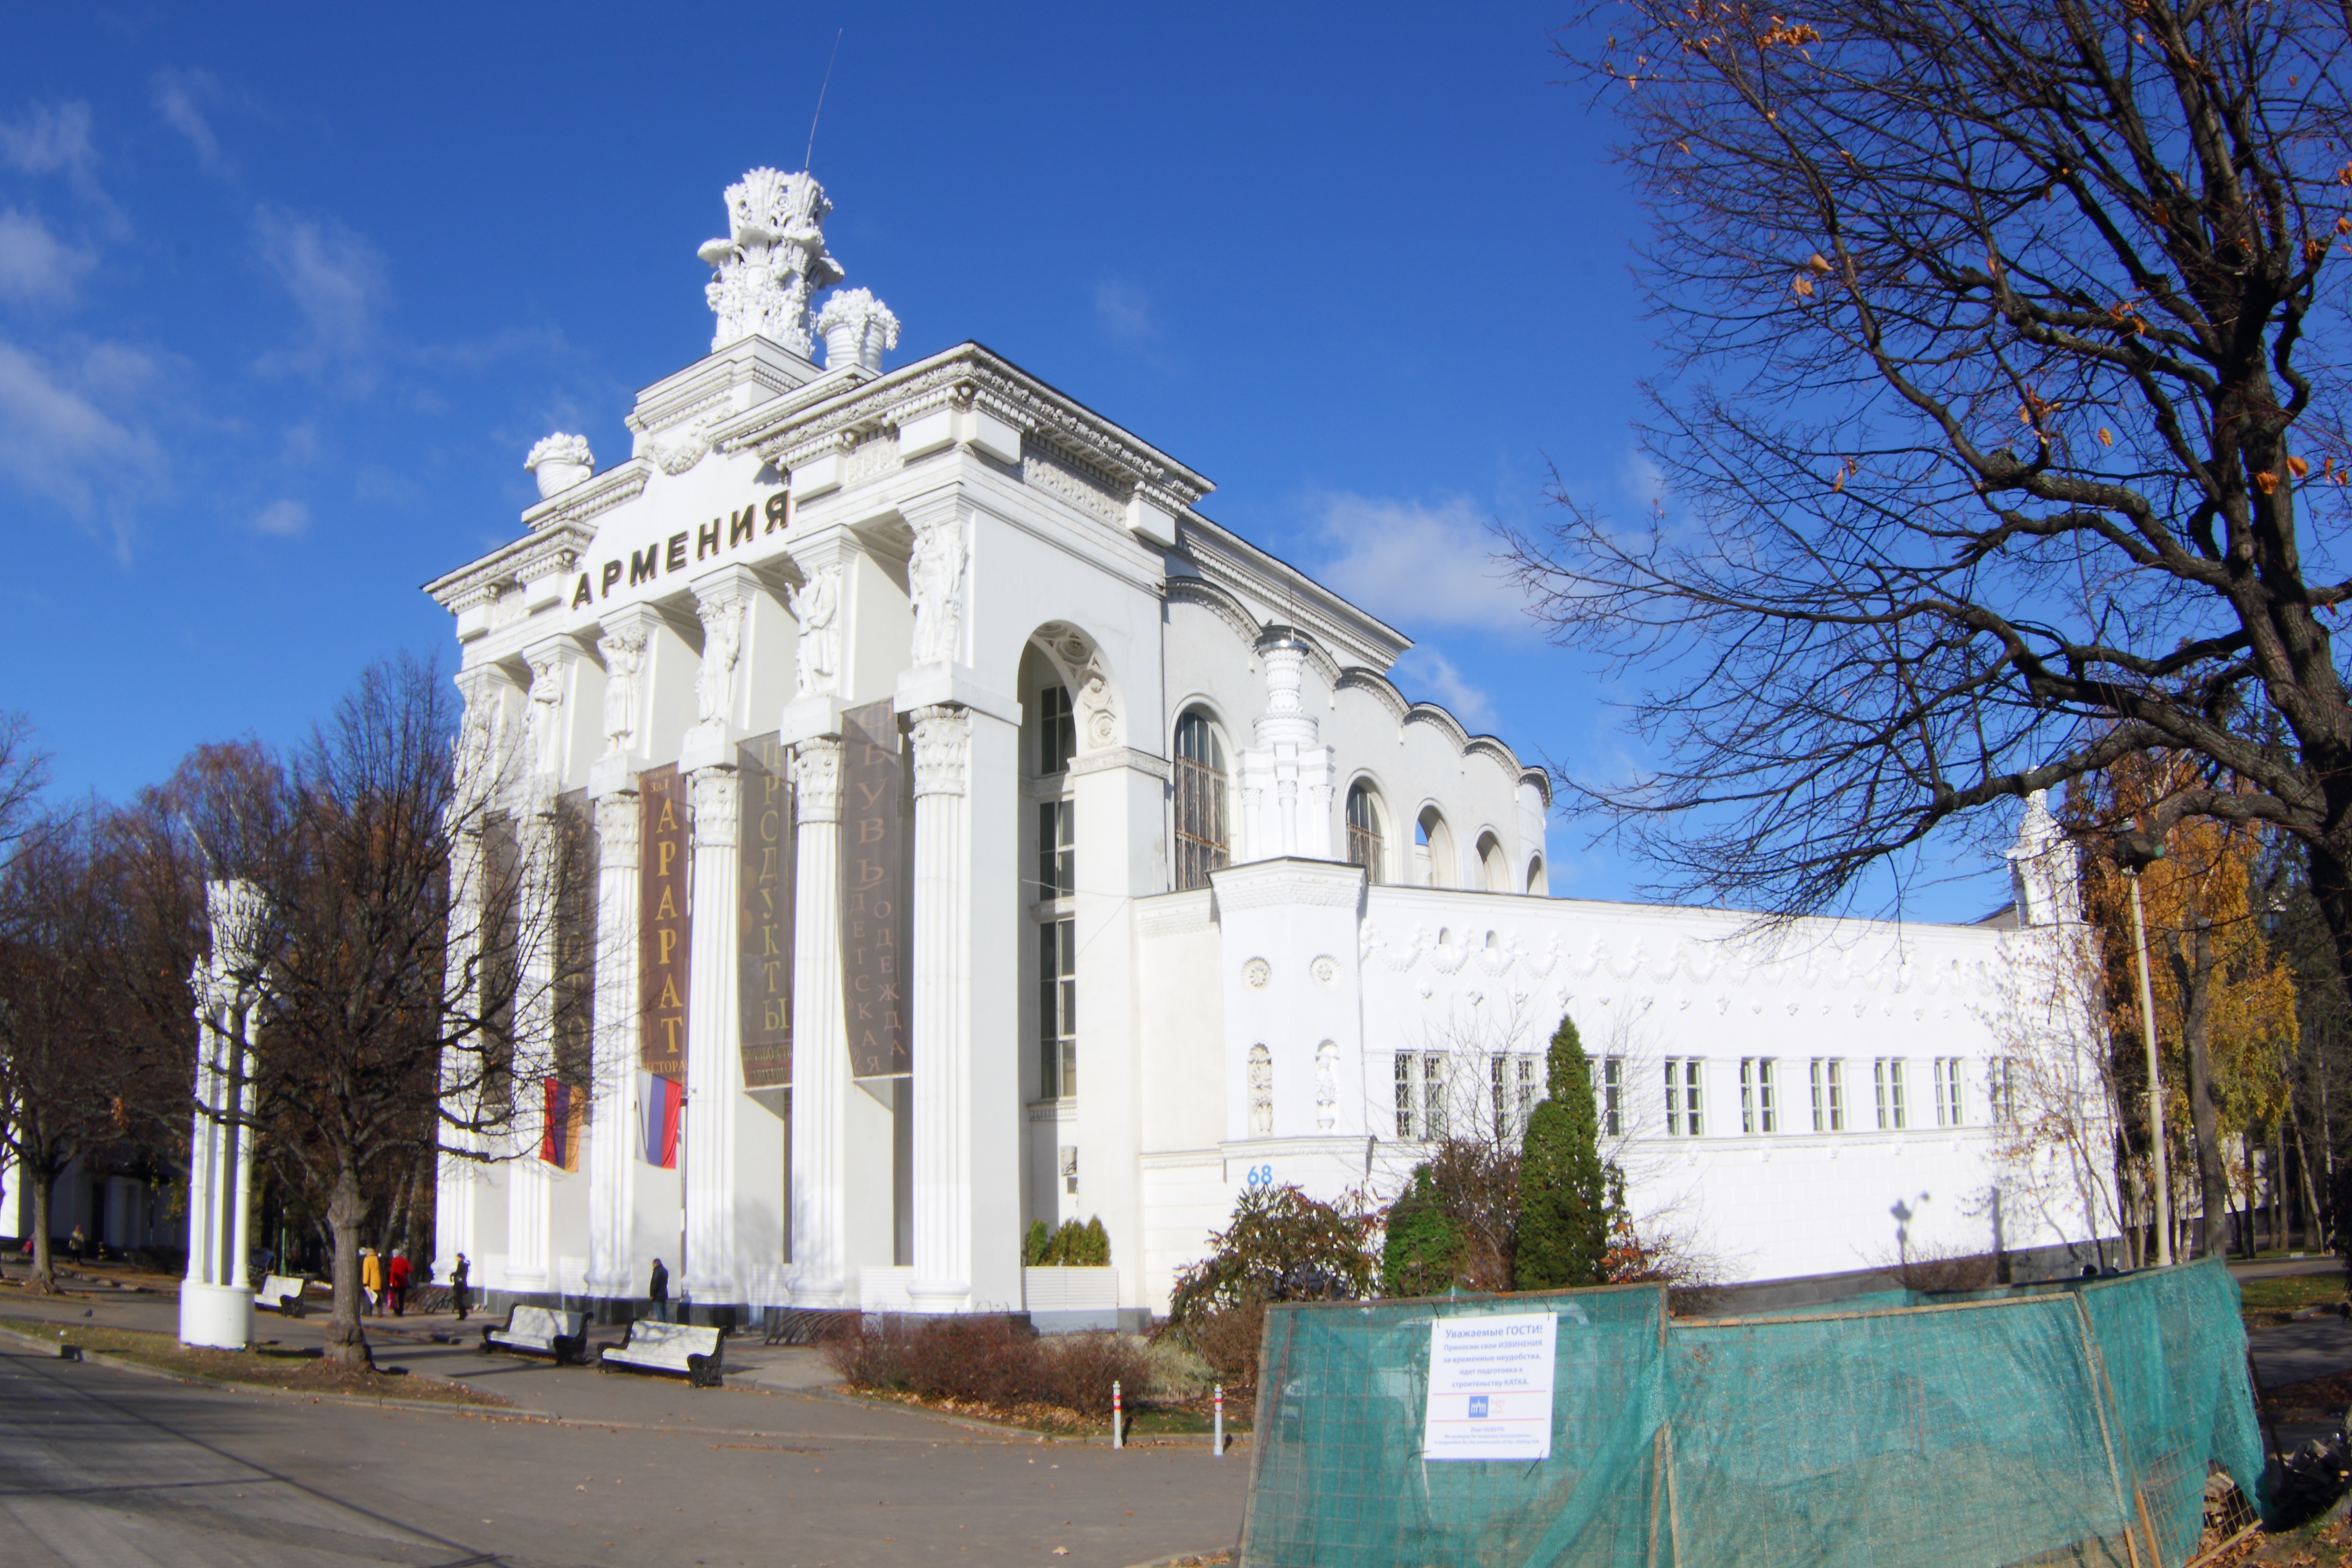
(664, 925)
(575, 941)
(874, 928)
(764, 838)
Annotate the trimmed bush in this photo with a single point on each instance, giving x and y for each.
(1423, 1246)
(1563, 1236)
(1070, 1246)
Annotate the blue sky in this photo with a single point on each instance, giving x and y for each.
(285, 296)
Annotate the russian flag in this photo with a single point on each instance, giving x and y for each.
(660, 1100)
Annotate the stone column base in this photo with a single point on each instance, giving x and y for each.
(220, 1316)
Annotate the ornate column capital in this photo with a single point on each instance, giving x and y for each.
(715, 793)
(617, 817)
(816, 774)
(942, 737)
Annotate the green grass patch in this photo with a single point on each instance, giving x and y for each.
(2272, 1301)
(294, 1370)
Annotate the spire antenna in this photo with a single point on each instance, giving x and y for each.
(808, 159)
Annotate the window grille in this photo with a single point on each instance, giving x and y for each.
(1364, 847)
(1200, 778)
(1951, 1110)
(1057, 730)
(1613, 1095)
(1757, 1111)
(1056, 855)
(1420, 1095)
(2001, 1085)
(1432, 1097)
(1684, 1097)
(1057, 1009)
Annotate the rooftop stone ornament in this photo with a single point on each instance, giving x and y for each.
(856, 328)
(559, 462)
(771, 262)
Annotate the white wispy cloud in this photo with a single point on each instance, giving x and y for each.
(1416, 564)
(1124, 313)
(55, 138)
(57, 442)
(285, 518)
(36, 266)
(335, 278)
(1425, 675)
(179, 100)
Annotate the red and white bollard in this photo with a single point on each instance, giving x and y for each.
(1114, 1416)
(1217, 1443)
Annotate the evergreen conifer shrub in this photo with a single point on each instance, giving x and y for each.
(1563, 1238)
(1420, 1256)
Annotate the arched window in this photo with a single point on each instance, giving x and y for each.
(1200, 843)
(1539, 884)
(1490, 860)
(1434, 850)
(1261, 1091)
(1364, 842)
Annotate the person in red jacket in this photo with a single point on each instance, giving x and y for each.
(396, 1283)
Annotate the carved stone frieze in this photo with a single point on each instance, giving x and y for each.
(1074, 480)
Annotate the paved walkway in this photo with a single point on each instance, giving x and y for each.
(98, 1465)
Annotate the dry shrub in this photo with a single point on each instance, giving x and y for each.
(1227, 1338)
(988, 1360)
(1931, 1270)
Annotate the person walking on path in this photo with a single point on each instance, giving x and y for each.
(458, 1285)
(371, 1279)
(75, 1243)
(658, 1288)
(396, 1282)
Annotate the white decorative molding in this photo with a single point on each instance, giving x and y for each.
(559, 462)
(1263, 884)
(1120, 757)
(617, 817)
(816, 603)
(589, 498)
(1096, 711)
(771, 260)
(681, 452)
(856, 329)
(1258, 973)
(942, 737)
(1326, 1082)
(543, 717)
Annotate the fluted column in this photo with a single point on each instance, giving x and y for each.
(217, 1297)
(820, 1043)
(714, 1047)
(528, 1191)
(941, 1061)
(612, 1132)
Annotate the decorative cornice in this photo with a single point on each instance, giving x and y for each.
(1356, 678)
(1120, 757)
(1217, 602)
(591, 497)
(1493, 749)
(1541, 780)
(984, 381)
(1432, 714)
(555, 548)
(1233, 563)
(1171, 914)
(1291, 880)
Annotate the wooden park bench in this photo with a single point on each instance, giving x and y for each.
(538, 1331)
(679, 1349)
(282, 1294)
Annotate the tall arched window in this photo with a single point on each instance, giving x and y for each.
(1538, 885)
(1364, 842)
(1490, 860)
(1201, 841)
(1433, 849)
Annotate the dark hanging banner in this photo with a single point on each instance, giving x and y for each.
(764, 929)
(664, 927)
(873, 929)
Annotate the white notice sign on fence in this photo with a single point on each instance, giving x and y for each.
(1490, 1387)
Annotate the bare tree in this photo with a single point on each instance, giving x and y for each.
(64, 1071)
(2056, 1109)
(402, 1006)
(2005, 433)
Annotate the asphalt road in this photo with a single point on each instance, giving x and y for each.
(104, 1467)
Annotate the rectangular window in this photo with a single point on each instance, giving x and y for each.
(1894, 1088)
(1756, 1113)
(1886, 1079)
(1530, 1089)
(1432, 1097)
(1057, 1009)
(1057, 730)
(1821, 1096)
(1837, 1094)
(1511, 1082)
(1057, 861)
(1420, 1095)
(1685, 1096)
(1613, 1095)
(1404, 1103)
(1949, 1109)
(2000, 1089)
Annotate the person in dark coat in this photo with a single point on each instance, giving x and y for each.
(658, 1288)
(458, 1285)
